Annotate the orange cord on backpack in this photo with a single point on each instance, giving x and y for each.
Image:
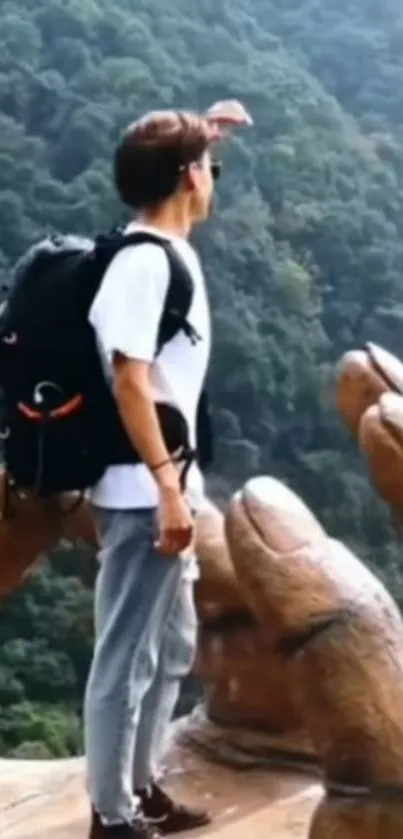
(58, 413)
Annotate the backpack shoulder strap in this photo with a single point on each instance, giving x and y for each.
(180, 290)
(178, 300)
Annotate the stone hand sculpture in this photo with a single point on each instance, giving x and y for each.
(370, 400)
(323, 612)
(30, 527)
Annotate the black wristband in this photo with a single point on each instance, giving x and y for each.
(159, 466)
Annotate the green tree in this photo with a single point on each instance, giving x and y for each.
(304, 256)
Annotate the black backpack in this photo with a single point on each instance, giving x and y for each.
(61, 426)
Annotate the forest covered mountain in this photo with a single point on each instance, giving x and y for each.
(304, 255)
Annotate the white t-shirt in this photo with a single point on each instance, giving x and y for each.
(126, 314)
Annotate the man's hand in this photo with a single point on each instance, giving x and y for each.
(175, 522)
(225, 115)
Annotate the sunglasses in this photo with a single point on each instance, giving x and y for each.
(215, 168)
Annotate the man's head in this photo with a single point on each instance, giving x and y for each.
(164, 159)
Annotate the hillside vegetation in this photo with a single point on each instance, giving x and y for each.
(304, 255)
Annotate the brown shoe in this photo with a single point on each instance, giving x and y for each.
(167, 815)
(139, 828)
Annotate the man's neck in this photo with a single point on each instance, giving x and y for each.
(170, 220)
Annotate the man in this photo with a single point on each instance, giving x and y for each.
(145, 622)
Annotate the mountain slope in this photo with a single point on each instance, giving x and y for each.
(304, 255)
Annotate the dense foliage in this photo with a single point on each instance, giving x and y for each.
(304, 256)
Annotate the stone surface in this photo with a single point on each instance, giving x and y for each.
(249, 747)
(354, 818)
(49, 799)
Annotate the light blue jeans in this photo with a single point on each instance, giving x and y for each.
(145, 639)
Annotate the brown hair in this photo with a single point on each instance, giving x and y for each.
(152, 152)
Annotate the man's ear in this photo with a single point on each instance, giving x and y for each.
(191, 175)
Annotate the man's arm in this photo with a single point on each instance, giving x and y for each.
(136, 405)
